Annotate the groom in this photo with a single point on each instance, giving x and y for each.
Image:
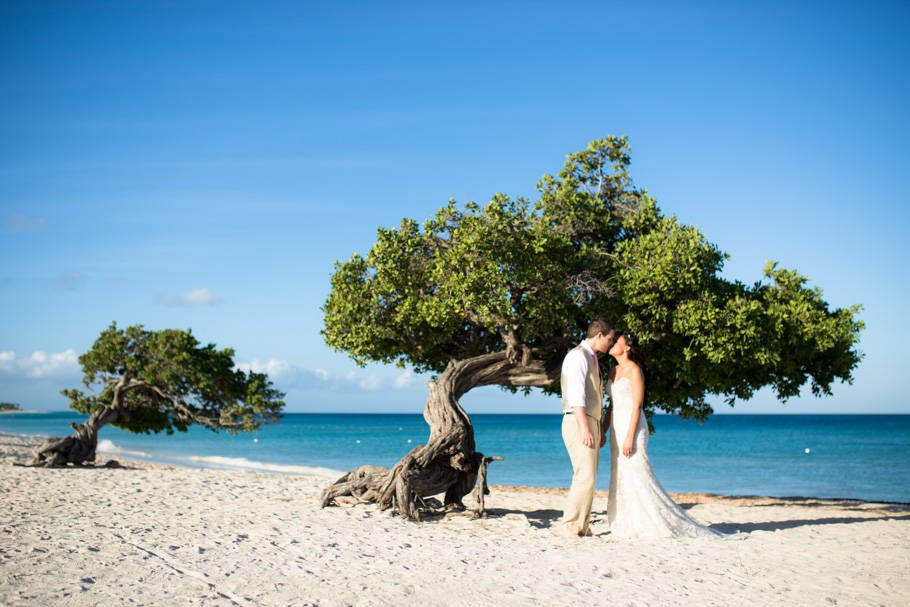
(582, 401)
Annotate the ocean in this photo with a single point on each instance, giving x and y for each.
(827, 456)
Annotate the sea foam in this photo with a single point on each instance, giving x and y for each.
(106, 446)
(242, 463)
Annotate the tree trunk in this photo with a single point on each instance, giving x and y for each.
(448, 463)
(80, 447)
(76, 449)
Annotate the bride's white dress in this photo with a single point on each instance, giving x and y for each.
(638, 506)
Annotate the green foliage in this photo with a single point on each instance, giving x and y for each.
(169, 382)
(472, 280)
(9, 407)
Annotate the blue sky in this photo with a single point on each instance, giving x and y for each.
(202, 164)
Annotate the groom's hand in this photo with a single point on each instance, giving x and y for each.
(587, 439)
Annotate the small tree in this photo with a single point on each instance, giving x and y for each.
(497, 295)
(154, 381)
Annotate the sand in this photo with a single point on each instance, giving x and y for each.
(179, 536)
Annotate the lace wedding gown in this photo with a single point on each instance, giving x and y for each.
(638, 506)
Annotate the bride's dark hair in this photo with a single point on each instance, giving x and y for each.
(637, 356)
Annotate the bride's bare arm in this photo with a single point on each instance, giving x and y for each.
(638, 397)
(605, 424)
(608, 413)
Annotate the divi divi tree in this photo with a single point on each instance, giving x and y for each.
(154, 381)
(498, 294)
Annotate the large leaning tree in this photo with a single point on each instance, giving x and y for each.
(497, 294)
(154, 381)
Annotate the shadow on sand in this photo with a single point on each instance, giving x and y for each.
(544, 519)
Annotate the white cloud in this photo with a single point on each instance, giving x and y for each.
(65, 365)
(193, 297)
(71, 281)
(287, 375)
(405, 379)
(21, 223)
(41, 365)
(273, 368)
(371, 383)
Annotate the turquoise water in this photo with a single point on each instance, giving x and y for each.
(850, 456)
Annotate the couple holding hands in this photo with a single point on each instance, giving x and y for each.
(638, 506)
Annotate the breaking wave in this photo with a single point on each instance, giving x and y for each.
(106, 446)
(241, 463)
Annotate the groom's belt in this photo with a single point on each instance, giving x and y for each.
(572, 412)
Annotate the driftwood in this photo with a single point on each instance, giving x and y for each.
(449, 463)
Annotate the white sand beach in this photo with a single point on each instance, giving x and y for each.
(176, 536)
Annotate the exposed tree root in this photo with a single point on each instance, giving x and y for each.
(448, 464)
(79, 448)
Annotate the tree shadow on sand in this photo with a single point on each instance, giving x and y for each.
(548, 518)
(873, 511)
(541, 519)
(792, 524)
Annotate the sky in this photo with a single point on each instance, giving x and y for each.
(202, 165)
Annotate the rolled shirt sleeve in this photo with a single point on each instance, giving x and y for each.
(575, 369)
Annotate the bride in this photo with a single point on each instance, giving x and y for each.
(638, 506)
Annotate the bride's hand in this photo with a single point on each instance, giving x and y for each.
(627, 446)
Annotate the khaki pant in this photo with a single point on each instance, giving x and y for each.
(577, 514)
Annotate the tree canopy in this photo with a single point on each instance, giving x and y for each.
(159, 381)
(166, 381)
(526, 277)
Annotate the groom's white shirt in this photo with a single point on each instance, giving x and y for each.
(575, 369)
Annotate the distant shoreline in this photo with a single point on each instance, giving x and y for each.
(20, 411)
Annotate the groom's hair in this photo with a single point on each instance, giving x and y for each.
(599, 325)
